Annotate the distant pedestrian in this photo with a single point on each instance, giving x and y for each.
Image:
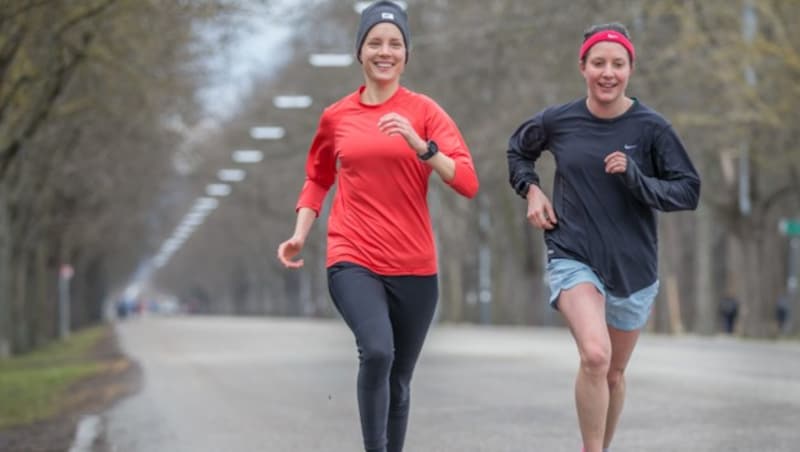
(617, 163)
(729, 310)
(381, 144)
(122, 309)
(782, 312)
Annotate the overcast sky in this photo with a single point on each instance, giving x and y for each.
(258, 48)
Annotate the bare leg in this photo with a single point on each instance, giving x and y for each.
(583, 308)
(622, 345)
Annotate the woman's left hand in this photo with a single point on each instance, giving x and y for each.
(395, 124)
(616, 163)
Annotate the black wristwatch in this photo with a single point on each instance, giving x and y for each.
(432, 150)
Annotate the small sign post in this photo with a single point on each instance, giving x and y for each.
(791, 229)
(65, 274)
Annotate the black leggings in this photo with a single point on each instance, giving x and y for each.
(389, 317)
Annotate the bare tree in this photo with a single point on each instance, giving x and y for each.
(84, 88)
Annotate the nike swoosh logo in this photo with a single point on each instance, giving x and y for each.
(628, 147)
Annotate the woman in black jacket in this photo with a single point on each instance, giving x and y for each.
(617, 163)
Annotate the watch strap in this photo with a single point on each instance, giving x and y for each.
(432, 150)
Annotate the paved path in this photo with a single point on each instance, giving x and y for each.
(279, 385)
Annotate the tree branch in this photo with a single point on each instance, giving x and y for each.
(9, 50)
(88, 14)
(787, 192)
(29, 5)
(61, 78)
(5, 101)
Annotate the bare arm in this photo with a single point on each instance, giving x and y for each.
(394, 124)
(290, 248)
(540, 211)
(443, 165)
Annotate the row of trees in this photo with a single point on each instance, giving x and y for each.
(91, 92)
(724, 74)
(86, 89)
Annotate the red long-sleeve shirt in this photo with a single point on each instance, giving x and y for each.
(380, 216)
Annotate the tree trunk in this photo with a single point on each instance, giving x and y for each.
(454, 291)
(792, 327)
(95, 290)
(667, 315)
(757, 315)
(43, 320)
(5, 269)
(704, 299)
(20, 342)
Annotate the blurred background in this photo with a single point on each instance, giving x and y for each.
(152, 151)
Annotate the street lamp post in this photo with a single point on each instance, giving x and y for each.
(302, 102)
(360, 6)
(218, 189)
(204, 205)
(267, 133)
(330, 59)
(231, 175)
(247, 156)
(292, 101)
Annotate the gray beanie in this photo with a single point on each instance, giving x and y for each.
(382, 11)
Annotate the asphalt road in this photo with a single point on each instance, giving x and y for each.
(279, 385)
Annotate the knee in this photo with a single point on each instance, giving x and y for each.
(596, 359)
(377, 356)
(616, 378)
(400, 400)
(400, 387)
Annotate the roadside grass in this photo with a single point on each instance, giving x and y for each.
(35, 386)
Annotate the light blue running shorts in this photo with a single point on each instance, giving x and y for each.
(627, 314)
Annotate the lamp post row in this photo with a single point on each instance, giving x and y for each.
(204, 205)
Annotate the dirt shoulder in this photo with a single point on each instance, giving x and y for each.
(119, 378)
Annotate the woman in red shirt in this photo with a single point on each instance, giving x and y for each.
(382, 142)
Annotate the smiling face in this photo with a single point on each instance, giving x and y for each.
(606, 69)
(383, 54)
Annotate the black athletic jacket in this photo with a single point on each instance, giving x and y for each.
(607, 221)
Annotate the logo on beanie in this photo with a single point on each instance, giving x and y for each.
(387, 16)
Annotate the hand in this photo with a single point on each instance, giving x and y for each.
(616, 163)
(288, 250)
(394, 124)
(540, 211)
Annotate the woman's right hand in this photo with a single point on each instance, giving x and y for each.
(540, 211)
(288, 250)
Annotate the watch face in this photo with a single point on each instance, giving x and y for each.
(432, 150)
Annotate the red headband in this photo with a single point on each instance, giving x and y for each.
(611, 36)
